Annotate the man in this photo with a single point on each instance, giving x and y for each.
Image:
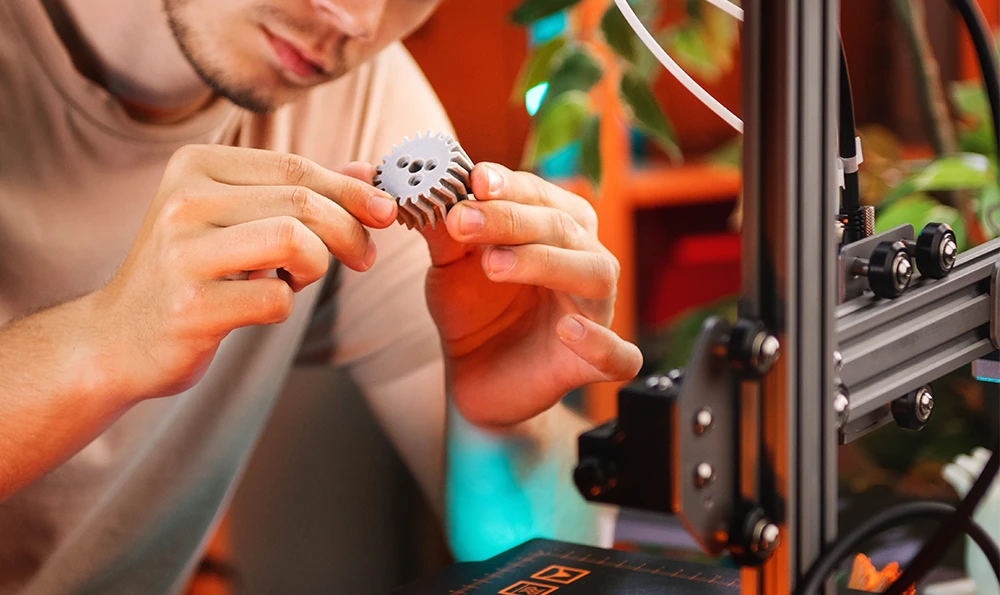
(186, 212)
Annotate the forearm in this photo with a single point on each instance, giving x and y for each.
(505, 487)
(54, 393)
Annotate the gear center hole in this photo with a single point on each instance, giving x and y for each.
(415, 179)
(416, 166)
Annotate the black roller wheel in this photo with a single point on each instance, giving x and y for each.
(889, 270)
(937, 250)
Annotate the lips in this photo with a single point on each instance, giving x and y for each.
(294, 60)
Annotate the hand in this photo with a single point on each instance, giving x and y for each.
(221, 220)
(522, 292)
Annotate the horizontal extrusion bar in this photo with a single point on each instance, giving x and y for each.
(891, 347)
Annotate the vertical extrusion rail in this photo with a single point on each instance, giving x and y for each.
(788, 432)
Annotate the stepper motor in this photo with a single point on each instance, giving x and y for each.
(426, 175)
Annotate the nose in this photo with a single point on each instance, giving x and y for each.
(356, 18)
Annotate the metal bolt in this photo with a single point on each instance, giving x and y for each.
(703, 420)
(924, 404)
(652, 381)
(838, 361)
(841, 404)
(902, 270)
(676, 374)
(949, 251)
(703, 475)
(765, 351)
(769, 537)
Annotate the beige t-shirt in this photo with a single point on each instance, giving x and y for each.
(130, 512)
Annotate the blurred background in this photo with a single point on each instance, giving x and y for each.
(562, 88)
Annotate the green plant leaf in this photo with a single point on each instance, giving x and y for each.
(988, 208)
(536, 70)
(618, 34)
(967, 171)
(688, 46)
(590, 149)
(729, 153)
(578, 71)
(919, 210)
(970, 99)
(647, 113)
(560, 125)
(530, 11)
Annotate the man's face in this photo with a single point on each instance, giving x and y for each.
(262, 53)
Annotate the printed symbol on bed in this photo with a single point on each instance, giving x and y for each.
(528, 588)
(563, 575)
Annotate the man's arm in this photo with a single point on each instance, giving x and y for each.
(56, 391)
(221, 219)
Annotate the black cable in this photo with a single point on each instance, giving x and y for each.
(851, 199)
(887, 519)
(931, 553)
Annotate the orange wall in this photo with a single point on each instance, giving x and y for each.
(472, 54)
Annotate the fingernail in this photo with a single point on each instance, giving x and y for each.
(501, 260)
(495, 180)
(370, 254)
(470, 220)
(381, 208)
(570, 329)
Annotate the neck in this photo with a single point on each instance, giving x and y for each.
(127, 47)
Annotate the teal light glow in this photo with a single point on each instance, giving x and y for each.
(992, 380)
(534, 96)
(548, 27)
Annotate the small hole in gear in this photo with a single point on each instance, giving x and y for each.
(415, 180)
(403, 161)
(431, 165)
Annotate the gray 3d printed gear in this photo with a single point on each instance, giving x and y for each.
(427, 176)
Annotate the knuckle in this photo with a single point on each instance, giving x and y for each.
(588, 218)
(567, 229)
(180, 206)
(278, 302)
(186, 158)
(302, 202)
(284, 235)
(292, 168)
(189, 302)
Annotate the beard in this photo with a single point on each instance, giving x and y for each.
(244, 93)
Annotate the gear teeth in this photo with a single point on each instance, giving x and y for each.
(428, 201)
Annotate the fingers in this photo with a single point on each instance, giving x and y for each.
(237, 304)
(585, 274)
(606, 356)
(491, 181)
(511, 224)
(276, 243)
(236, 166)
(344, 236)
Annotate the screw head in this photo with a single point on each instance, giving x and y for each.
(766, 351)
(924, 404)
(652, 381)
(703, 474)
(703, 420)
(841, 405)
(838, 362)
(902, 271)
(949, 252)
(769, 536)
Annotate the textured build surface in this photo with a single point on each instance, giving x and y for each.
(426, 175)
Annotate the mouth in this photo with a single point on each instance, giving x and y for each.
(294, 60)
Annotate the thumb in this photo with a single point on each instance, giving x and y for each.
(607, 357)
